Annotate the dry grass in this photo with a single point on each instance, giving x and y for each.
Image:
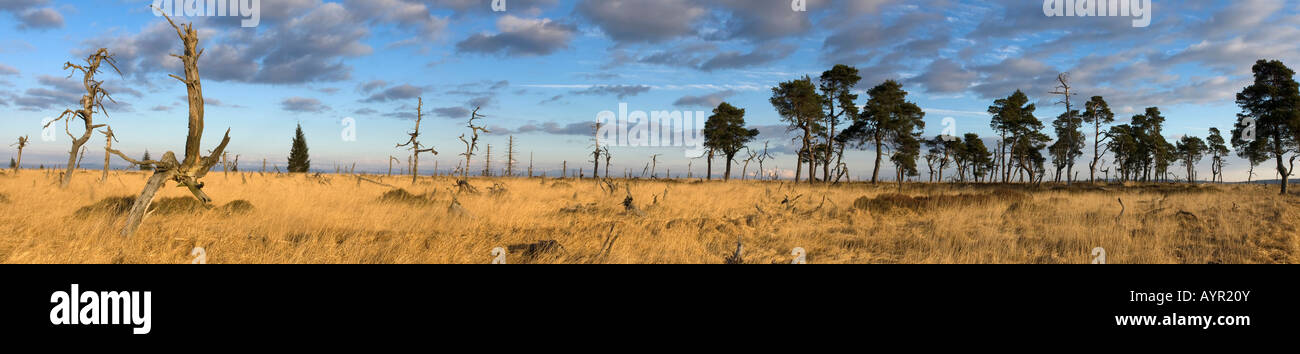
(301, 219)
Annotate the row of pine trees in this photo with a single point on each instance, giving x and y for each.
(824, 115)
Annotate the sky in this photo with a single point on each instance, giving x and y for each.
(542, 70)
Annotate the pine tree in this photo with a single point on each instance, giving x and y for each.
(146, 158)
(13, 163)
(299, 161)
(725, 132)
(1269, 114)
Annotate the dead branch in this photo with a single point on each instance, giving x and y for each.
(606, 246)
(1121, 209)
(363, 179)
(737, 256)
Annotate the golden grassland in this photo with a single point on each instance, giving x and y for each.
(338, 219)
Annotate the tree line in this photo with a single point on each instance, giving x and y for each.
(826, 118)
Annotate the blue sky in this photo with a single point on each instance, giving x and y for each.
(543, 69)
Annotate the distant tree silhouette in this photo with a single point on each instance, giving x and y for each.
(1255, 152)
(299, 161)
(146, 158)
(934, 155)
(1218, 150)
(906, 149)
(888, 121)
(1069, 143)
(836, 87)
(1270, 109)
(1022, 137)
(1154, 153)
(1123, 144)
(725, 132)
(1190, 151)
(799, 105)
(977, 155)
(1097, 112)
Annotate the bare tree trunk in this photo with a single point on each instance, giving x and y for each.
(709, 177)
(141, 207)
(875, 173)
(107, 147)
(1283, 173)
(510, 158)
(812, 155)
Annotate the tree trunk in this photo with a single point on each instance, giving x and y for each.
(1069, 173)
(812, 156)
(72, 163)
(726, 176)
(141, 207)
(104, 178)
(900, 179)
(415, 166)
(798, 170)
(839, 162)
(1096, 150)
(709, 176)
(1282, 171)
(875, 173)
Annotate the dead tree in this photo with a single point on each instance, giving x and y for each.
(108, 146)
(414, 143)
(654, 165)
(608, 157)
(225, 165)
(472, 143)
(764, 156)
(595, 153)
(390, 164)
(1064, 91)
(92, 100)
(530, 165)
(487, 162)
(744, 171)
(22, 143)
(510, 157)
(188, 172)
